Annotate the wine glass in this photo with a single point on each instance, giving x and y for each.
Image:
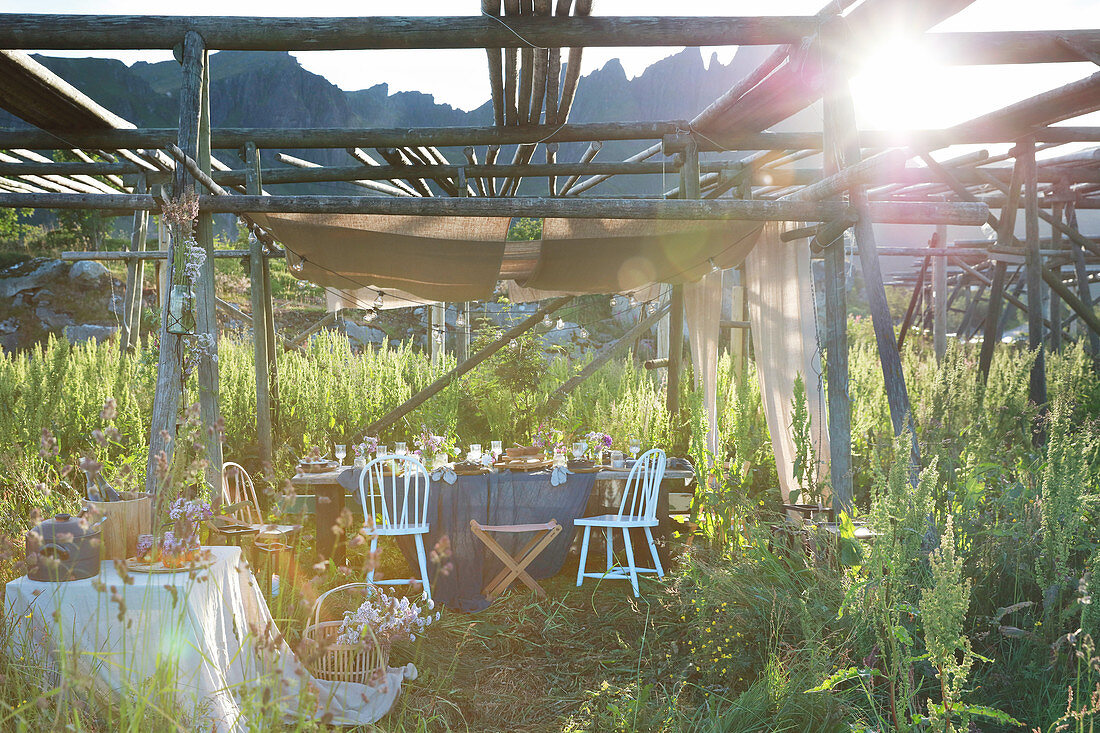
(475, 452)
(401, 448)
(578, 450)
(341, 453)
(496, 448)
(635, 448)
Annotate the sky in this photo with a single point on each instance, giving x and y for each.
(897, 88)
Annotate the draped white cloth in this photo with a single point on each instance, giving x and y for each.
(212, 632)
(779, 290)
(703, 312)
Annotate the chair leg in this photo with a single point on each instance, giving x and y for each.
(653, 552)
(610, 545)
(584, 556)
(630, 567)
(423, 558)
(371, 557)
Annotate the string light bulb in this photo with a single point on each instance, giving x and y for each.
(560, 324)
(614, 301)
(651, 308)
(633, 301)
(379, 301)
(546, 321)
(583, 333)
(460, 321)
(298, 265)
(369, 315)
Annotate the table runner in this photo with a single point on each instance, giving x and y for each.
(459, 568)
(211, 631)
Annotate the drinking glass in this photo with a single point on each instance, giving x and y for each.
(635, 448)
(341, 453)
(382, 450)
(578, 450)
(496, 448)
(617, 459)
(400, 448)
(475, 452)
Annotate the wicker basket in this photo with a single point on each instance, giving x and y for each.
(342, 662)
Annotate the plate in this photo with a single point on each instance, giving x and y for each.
(316, 466)
(158, 568)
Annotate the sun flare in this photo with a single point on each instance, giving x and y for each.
(895, 86)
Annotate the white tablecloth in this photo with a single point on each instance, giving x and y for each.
(210, 631)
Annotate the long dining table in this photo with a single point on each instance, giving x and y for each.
(496, 497)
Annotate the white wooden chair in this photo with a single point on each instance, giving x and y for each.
(237, 488)
(394, 493)
(638, 509)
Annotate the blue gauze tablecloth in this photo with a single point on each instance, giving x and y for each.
(461, 565)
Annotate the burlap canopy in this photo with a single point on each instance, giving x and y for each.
(462, 258)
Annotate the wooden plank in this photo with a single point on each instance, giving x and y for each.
(135, 278)
(166, 397)
(886, 212)
(124, 32)
(438, 385)
(264, 429)
(918, 288)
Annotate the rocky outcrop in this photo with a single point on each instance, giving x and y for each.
(40, 297)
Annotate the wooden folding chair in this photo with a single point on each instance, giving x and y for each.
(515, 567)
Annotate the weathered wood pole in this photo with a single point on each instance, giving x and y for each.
(689, 189)
(1026, 157)
(939, 297)
(1055, 302)
(135, 277)
(838, 401)
(918, 292)
(258, 295)
(206, 316)
(1083, 287)
(896, 392)
(169, 388)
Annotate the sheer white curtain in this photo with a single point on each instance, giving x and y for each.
(703, 312)
(779, 290)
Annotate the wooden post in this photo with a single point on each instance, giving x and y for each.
(689, 188)
(1054, 306)
(1029, 172)
(462, 332)
(1083, 287)
(939, 298)
(437, 332)
(206, 318)
(259, 325)
(918, 291)
(836, 307)
(896, 392)
(135, 277)
(169, 389)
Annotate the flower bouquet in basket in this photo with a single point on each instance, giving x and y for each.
(357, 648)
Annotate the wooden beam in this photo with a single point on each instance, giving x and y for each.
(887, 212)
(231, 138)
(166, 398)
(1083, 289)
(438, 385)
(1007, 47)
(124, 32)
(127, 255)
(1070, 100)
(557, 397)
(918, 288)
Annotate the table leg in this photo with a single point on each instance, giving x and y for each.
(330, 505)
